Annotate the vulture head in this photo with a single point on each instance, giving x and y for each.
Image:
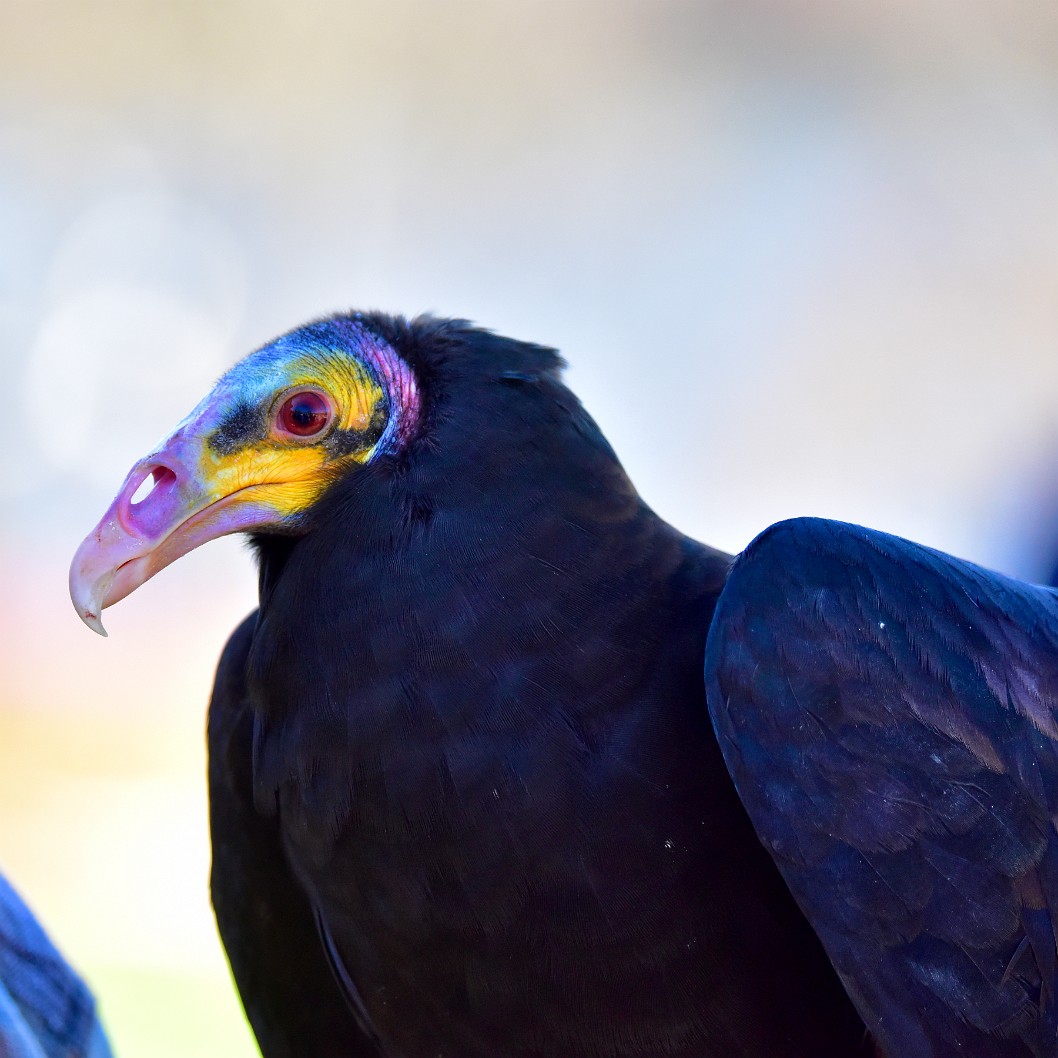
(275, 431)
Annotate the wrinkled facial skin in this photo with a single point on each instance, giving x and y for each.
(239, 461)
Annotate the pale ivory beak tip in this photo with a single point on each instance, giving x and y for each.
(93, 621)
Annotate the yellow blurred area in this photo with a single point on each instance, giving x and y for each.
(802, 258)
(103, 794)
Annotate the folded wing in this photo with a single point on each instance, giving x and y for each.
(888, 714)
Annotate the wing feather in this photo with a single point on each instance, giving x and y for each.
(265, 919)
(888, 714)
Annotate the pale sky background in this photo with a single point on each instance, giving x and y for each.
(802, 258)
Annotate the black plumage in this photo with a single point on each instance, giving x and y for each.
(888, 714)
(465, 795)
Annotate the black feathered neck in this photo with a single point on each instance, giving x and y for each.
(439, 349)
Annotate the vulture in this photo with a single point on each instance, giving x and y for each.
(480, 787)
(466, 800)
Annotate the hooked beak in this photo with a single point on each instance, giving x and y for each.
(138, 537)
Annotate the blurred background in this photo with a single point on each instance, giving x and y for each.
(802, 258)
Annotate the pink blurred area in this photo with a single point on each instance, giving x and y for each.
(802, 258)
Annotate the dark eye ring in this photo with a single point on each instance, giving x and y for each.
(306, 413)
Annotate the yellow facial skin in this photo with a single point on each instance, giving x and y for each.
(289, 474)
(230, 467)
(283, 479)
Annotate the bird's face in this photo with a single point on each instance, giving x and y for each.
(275, 431)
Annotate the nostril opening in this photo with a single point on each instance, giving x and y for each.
(157, 478)
(145, 489)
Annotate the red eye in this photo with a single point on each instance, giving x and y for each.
(304, 414)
